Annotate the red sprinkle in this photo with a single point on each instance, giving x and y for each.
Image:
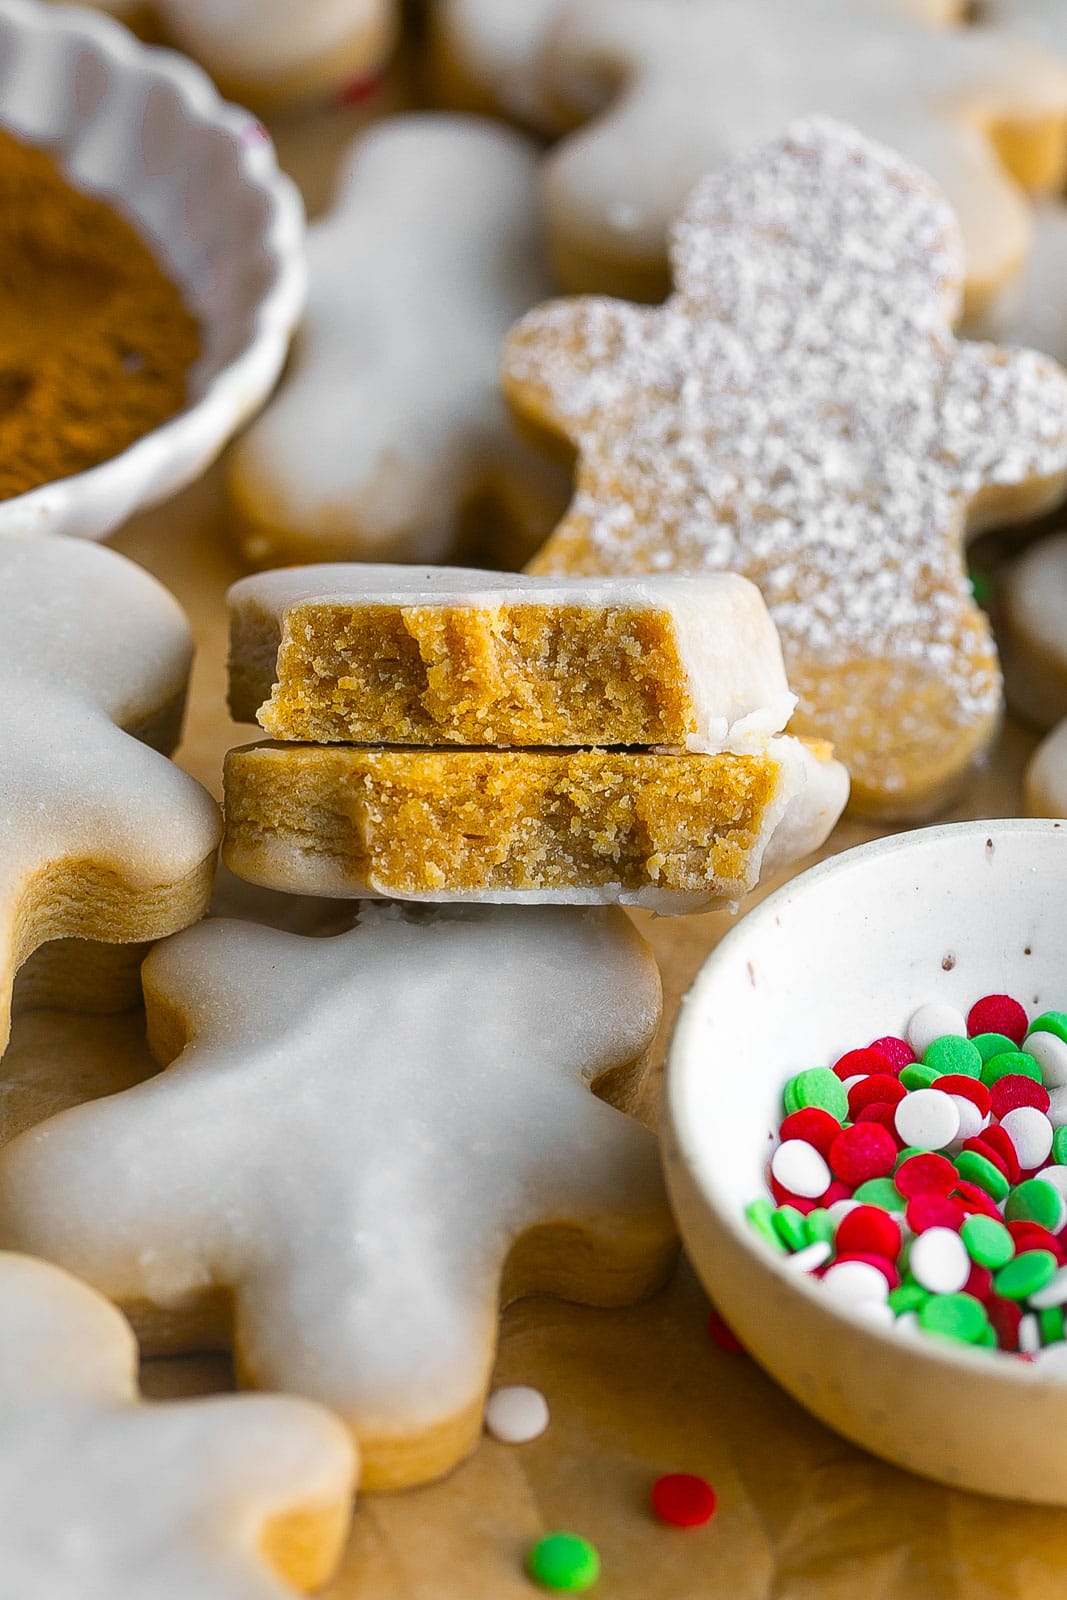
(972, 1198)
(683, 1500)
(995, 1137)
(897, 1052)
(866, 1150)
(886, 1267)
(881, 1111)
(934, 1211)
(879, 1088)
(1016, 1089)
(998, 1013)
(925, 1174)
(1032, 1236)
(721, 1333)
(981, 1148)
(972, 1089)
(869, 1231)
(1005, 1316)
(836, 1191)
(814, 1125)
(979, 1283)
(783, 1197)
(854, 1062)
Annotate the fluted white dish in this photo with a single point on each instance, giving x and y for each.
(843, 954)
(146, 130)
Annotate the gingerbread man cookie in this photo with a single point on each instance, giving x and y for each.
(799, 412)
(389, 438)
(105, 1497)
(698, 84)
(1033, 598)
(272, 52)
(362, 1145)
(487, 52)
(102, 838)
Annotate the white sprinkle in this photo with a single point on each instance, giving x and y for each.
(852, 1282)
(1030, 1132)
(1057, 1176)
(516, 1414)
(927, 1119)
(1051, 1360)
(800, 1168)
(1057, 1111)
(1053, 1294)
(877, 1311)
(938, 1260)
(908, 1323)
(1050, 1053)
(972, 1120)
(932, 1022)
(812, 1256)
(857, 1077)
(841, 1208)
(1029, 1335)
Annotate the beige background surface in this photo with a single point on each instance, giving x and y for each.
(803, 1515)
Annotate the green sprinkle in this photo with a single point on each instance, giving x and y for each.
(1059, 1147)
(761, 1215)
(954, 1316)
(1051, 1022)
(918, 1076)
(564, 1562)
(788, 1224)
(952, 1054)
(993, 1044)
(982, 587)
(976, 1169)
(1050, 1321)
(881, 1192)
(819, 1227)
(817, 1087)
(908, 1297)
(1010, 1061)
(987, 1337)
(988, 1243)
(1027, 1273)
(1035, 1201)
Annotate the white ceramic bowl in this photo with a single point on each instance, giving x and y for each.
(844, 954)
(146, 129)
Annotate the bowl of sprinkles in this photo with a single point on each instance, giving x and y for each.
(865, 1134)
(151, 271)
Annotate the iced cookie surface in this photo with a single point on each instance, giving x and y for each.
(102, 838)
(363, 1145)
(674, 833)
(1035, 641)
(105, 1497)
(404, 655)
(800, 412)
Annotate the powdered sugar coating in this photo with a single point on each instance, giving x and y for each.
(105, 1498)
(800, 412)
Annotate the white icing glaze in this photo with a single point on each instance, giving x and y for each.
(89, 644)
(391, 416)
(701, 83)
(1046, 776)
(1035, 640)
(103, 1497)
(1043, 21)
(498, 44)
(726, 640)
(356, 1133)
(1032, 308)
(800, 412)
(263, 41)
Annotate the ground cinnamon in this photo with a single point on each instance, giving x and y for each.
(95, 343)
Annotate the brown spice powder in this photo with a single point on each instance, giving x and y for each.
(95, 343)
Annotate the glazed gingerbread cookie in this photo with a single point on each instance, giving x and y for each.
(361, 1146)
(1032, 599)
(800, 412)
(697, 84)
(105, 1497)
(486, 53)
(1032, 309)
(103, 838)
(389, 439)
(273, 53)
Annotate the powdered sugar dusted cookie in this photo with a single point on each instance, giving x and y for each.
(275, 52)
(800, 412)
(441, 655)
(104, 1497)
(355, 1136)
(1032, 309)
(1045, 784)
(697, 84)
(101, 837)
(1034, 599)
(389, 439)
(487, 52)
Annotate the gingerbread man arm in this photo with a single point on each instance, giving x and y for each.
(1001, 419)
(567, 362)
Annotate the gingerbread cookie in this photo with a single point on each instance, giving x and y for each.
(102, 837)
(1033, 598)
(672, 833)
(439, 655)
(699, 83)
(273, 53)
(1032, 309)
(486, 53)
(1045, 782)
(389, 438)
(799, 412)
(363, 1145)
(104, 1497)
